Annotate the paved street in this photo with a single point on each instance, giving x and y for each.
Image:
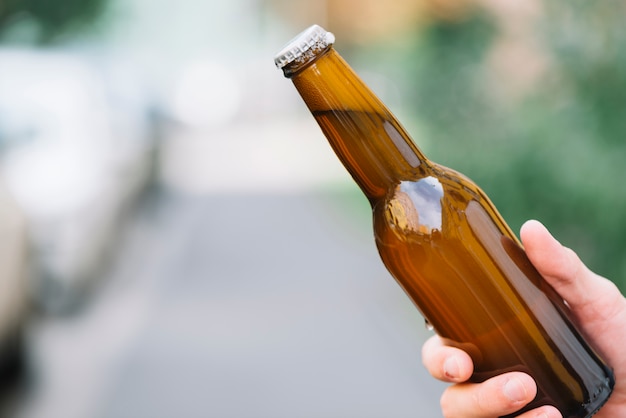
(237, 305)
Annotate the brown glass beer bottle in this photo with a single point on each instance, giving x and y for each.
(445, 243)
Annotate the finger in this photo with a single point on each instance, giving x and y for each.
(446, 363)
(583, 290)
(500, 395)
(542, 412)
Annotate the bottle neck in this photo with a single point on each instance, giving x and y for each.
(364, 134)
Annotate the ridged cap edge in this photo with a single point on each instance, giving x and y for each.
(304, 46)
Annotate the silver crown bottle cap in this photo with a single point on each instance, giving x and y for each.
(304, 46)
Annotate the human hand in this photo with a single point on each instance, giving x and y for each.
(596, 304)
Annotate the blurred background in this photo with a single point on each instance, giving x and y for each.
(178, 238)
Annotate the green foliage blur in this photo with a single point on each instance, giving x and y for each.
(548, 143)
(48, 20)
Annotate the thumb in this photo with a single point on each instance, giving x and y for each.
(589, 296)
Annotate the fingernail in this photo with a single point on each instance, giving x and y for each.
(514, 390)
(451, 368)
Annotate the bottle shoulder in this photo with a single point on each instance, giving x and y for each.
(457, 181)
(432, 205)
(435, 182)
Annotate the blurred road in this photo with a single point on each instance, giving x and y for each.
(297, 319)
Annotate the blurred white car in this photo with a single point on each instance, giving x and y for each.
(75, 150)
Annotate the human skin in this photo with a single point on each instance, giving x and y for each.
(596, 304)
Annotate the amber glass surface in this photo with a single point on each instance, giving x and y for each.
(449, 249)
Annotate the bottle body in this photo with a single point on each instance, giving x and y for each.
(449, 249)
(473, 283)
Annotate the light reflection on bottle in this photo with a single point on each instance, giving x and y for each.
(416, 206)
